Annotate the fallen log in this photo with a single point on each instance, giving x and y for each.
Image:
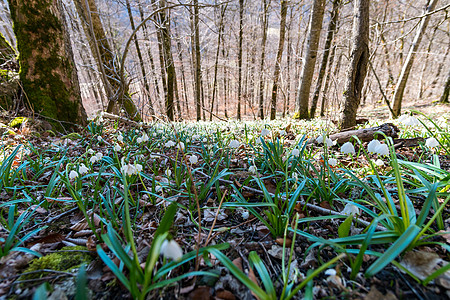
(366, 134)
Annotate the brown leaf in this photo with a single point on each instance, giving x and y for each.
(91, 244)
(201, 293)
(280, 241)
(224, 295)
(325, 204)
(253, 278)
(49, 239)
(375, 294)
(238, 263)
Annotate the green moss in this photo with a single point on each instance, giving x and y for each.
(17, 122)
(60, 261)
(72, 136)
(44, 73)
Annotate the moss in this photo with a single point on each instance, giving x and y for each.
(60, 261)
(44, 71)
(72, 136)
(17, 122)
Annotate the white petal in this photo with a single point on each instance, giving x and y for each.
(373, 145)
(171, 249)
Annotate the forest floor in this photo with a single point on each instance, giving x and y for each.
(271, 212)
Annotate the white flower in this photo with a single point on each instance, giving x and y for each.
(373, 145)
(432, 142)
(234, 144)
(90, 151)
(382, 149)
(265, 132)
(117, 147)
(402, 118)
(99, 138)
(330, 272)
(154, 134)
(193, 159)
(295, 152)
(350, 209)
(411, 121)
(136, 131)
(99, 155)
(379, 162)
(245, 215)
(195, 137)
(253, 170)
(180, 146)
(204, 140)
(139, 140)
(120, 138)
(144, 138)
(168, 172)
(83, 169)
(329, 142)
(169, 144)
(283, 132)
(332, 162)
(93, 159)
(73, 174)
(348, 148)
(128, 169)
(138, 168)
(171, 249)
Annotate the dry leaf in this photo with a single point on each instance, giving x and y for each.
(238, 263)
(253, 278)
(201, 293)
(224, 295)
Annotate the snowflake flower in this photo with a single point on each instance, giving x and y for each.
(99, 138)
(350, 209)
(332, 162)
(411, 121)
(295, 152)
(180, 146)
(348, 148)
(253, 170)
(265, 132)
(73, 174)
(283, 132)
(93, 159)
(83, 169)
(382, 149)
(120, 138)
(234, 144)
(171, 250)
(168, 172)
(193, 159)
(379, 162)
(169, 144)
(117, 147)
(245, 215)
(432, 142)
(373, 145)
(99, 155)
(90, 151)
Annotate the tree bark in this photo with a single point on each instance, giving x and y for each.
(197, 61)
(265, 18)
(357, 69)
(323, 64)
(315, 26)
(276, 75)
(403, 79)
(444, 97)
(47, 70)
(141, 60)
(241, 30)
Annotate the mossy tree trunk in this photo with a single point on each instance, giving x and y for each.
(7, 52)
(47, 70)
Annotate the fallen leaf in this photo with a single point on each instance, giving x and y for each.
(224, 295)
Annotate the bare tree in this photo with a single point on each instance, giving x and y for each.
(264, 23)
(403, 79)
(276, 74)
(315, 26)
(241, 30)
(357, 68)
(444, 97)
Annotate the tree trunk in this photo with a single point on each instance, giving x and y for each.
(216, 63)
(401, 83)
(7, 52)
(357, 69)
(141, 61)
(326, 84)
(444, 97)
(103, 54)
(323, 64)
(276, 75)
(150, 55)
(315, 26)
(197, 67)
(47, 70)
(183, 76)
(265, 22)
(241, 31)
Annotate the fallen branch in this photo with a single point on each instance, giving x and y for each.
(366, 134)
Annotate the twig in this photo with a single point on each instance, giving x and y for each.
(215, 218)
